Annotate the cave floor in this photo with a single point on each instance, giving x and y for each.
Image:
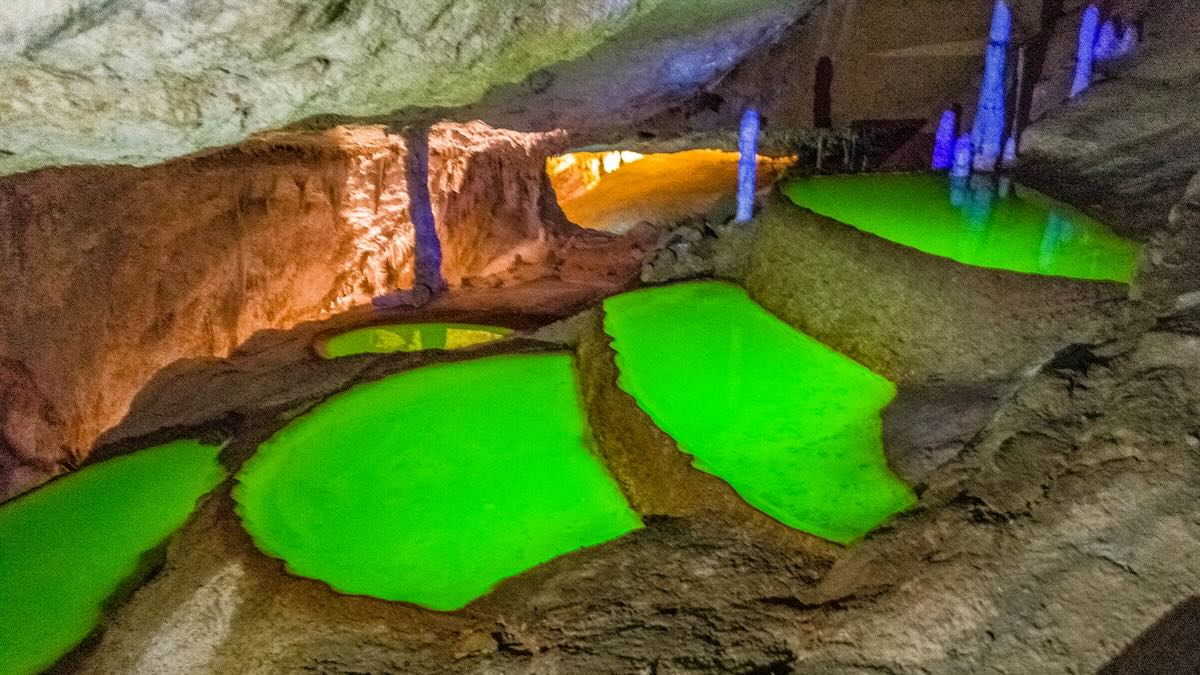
(1055, 511)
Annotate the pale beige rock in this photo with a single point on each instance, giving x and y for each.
(138, 82)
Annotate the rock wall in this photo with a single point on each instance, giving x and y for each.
(892, 60)
(111, 273)
(492, 199)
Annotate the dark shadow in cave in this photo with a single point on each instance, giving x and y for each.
(823, 94)
(1171, 646)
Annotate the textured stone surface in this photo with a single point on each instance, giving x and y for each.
(112, 273)
(138, 82)
(1064, 531)
(911, 316)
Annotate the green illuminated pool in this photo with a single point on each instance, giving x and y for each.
(793, 426)
(410, 337)
(973, 223)
(433, 485)
(67, 547)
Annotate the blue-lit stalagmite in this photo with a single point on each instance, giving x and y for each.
(747, 165)
(1106, 42)
(943, 145)
(1129, 39)
(987, 134)
(1085, 52)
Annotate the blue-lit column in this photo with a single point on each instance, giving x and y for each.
(747, 165)
(987, 132)
(427, 263)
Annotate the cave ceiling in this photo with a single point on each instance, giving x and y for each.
(139, 81)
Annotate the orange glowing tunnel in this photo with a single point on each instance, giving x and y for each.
(616, 190)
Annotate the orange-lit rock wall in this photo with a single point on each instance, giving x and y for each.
(489, 200)
(110, 273)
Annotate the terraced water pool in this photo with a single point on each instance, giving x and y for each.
(433, 485)
(791, 425)
(67, 548)
(409, 337)
(975, 223)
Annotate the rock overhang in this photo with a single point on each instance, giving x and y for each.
(135, 83)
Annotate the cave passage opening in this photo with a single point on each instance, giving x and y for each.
(615, 190)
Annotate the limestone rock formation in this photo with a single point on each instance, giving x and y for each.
(136, 82)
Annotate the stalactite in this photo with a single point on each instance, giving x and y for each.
(943, 145)
(747, 165)
(1088, 27)
(987, 134)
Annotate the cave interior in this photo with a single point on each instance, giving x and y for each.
(600, 336)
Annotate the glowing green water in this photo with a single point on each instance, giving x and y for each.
(67, 547)
(1022, 232)
(410, 337)
(793, 426)
(433, 485)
